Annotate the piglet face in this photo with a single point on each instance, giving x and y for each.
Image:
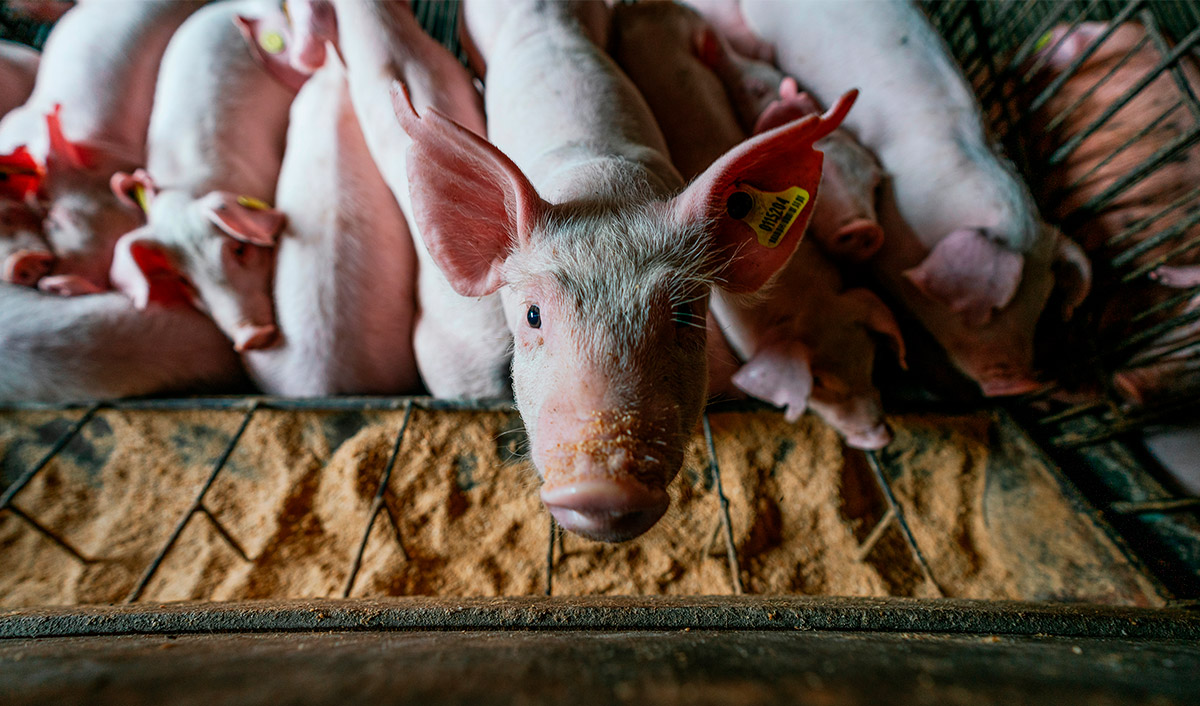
(608, 363)
(216, 252)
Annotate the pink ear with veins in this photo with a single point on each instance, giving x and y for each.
(970, 273)
(471, 203)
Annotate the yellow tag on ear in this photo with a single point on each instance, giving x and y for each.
(769, 213)
(271, 42)
(1043, 41)
(139, 195)
(251, 202)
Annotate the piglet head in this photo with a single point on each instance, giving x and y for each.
(216, 253)
(607, 301)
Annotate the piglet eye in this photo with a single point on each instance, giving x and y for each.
(534, 316)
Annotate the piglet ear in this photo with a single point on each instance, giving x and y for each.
(20, 175)
(244, 217)
(878, 318)
(73, 155)
(470, 202)
(136, 190)
(268, 43)
(1072, 273)
(970, 273)
(758, 198)
(779, 374)
(142, 270)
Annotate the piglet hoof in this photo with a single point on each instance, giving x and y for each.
(67, 286)
(26, 267)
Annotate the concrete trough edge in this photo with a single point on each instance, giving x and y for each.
(721, 613)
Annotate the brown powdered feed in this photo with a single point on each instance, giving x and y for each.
(287, 514)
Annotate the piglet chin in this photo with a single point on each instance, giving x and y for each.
(253, 338)
(606, 510)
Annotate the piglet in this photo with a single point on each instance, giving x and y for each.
(462, 345)
(575, 215)
(965, 251)
(345, 268)
(100, 347)
(215, 148)
(87, 118)
(1142, 127)
(806, 340)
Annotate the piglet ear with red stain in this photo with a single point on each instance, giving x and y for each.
(22, 175)
(243, 217)
(471, 203)
(758, 198)
(142, 269)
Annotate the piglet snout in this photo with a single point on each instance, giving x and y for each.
(250, 337)
(858, 240)
(1008, 386)
(26, 267)
(871, 439)
(607, 510)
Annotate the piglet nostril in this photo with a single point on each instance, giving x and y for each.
(606, 510)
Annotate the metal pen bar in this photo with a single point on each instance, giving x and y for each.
(6, 498)
(1056, 85)
(377, 504)
(1070, 145)
(220, 528)
(894, 507)
(1057, 120)
(730, 549)
(550, 556)
(45, 532)
(1130, 142)
(1119, 186)
(1145, 507)
(1143, 223)
(193, 509)
(1181, 81)
(1164, 237)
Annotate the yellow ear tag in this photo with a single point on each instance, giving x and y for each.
(1043, 41)
(769, 213)
(139, 195)
(251, 202)
(271, 42)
